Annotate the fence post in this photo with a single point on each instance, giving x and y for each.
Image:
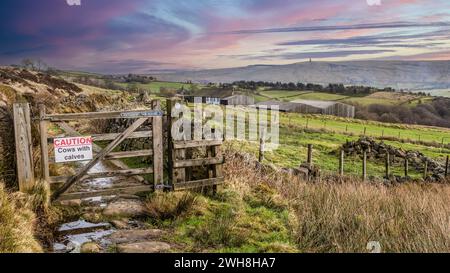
(24, 146)
(310, 154)
(387, 165)
(425, 171)
(406, 167)
(215, 171)
(262, 144)
(43, 128)
(364, 165)
(365, 130)
(341, 163)
(175, 175)
(446, 166)
(158, 153)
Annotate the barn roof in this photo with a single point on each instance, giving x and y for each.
(288, 106)
(317, 103)
(283, 106)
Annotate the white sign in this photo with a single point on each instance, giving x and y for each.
(73, 149)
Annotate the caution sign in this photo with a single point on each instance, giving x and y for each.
(73, 149)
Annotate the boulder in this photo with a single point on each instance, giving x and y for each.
(138, 235)
(144, 247)
(124, 208)
(90, 248)
(120, 224)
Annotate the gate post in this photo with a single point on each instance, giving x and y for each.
(158, 163)
(24, 146)
(179, 174)
(43, 127)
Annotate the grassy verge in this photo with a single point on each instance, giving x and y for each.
(261, 209)
(17, 225)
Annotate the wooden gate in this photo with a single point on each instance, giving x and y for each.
(181, 163)
(152, 116)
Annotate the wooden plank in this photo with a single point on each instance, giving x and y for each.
(158, 153)
(43, 131)
(129, 172)
(196, 143)
(108, 192)
(129, 154)
(99, 157)
(24, 146)
(198, 183)
(117, 163)
(104, 115)
(198, 162)
(120, 155)
(111, 136)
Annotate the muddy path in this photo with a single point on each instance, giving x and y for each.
(107, 223)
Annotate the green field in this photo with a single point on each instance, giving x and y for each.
(386, 98)
(372, 128)
(318, 96)
(327, 134)
(154, 87)
(280, 94)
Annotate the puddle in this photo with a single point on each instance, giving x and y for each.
(80, 225)
(74, 234)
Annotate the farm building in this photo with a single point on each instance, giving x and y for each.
(221, 97)
(313, 107)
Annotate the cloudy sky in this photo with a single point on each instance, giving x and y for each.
(120, 36)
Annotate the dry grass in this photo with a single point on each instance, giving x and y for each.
(168, 206)
(343, 216)
(17, 223)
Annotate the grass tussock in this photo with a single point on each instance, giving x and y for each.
(168, 206)
(17, 225)
(344, 215)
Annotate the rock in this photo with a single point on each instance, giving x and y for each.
(120, 224)
(90, 248)
(144, 247)
(131, 236)
(124, 208)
